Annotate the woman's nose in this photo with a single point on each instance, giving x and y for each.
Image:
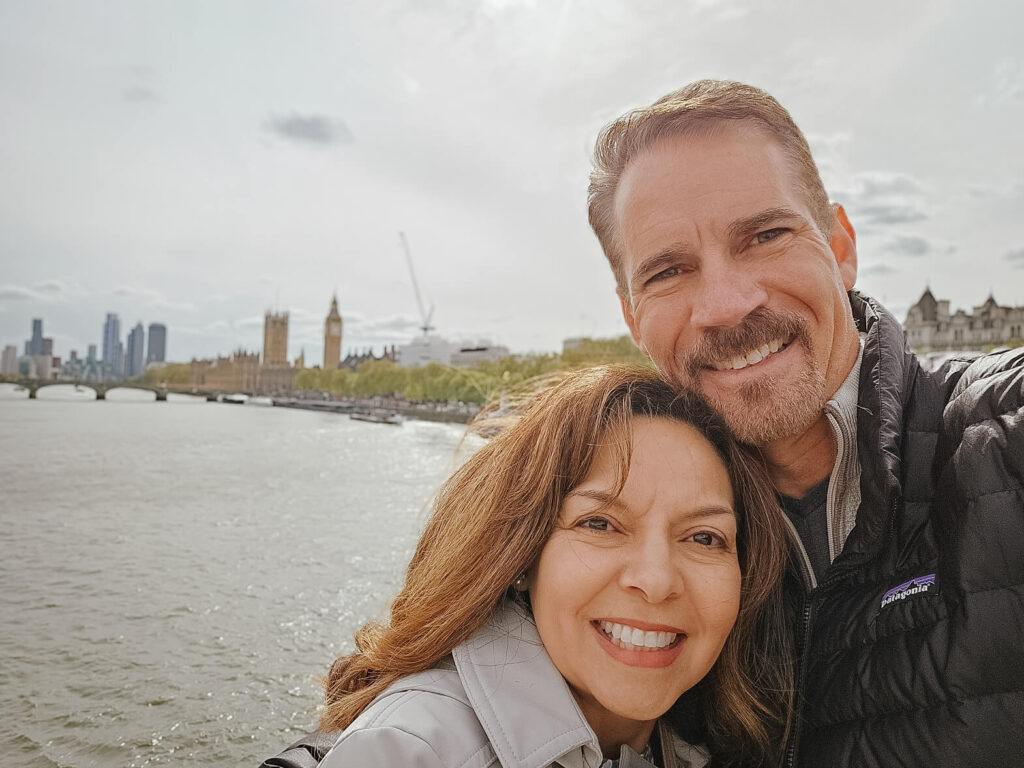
(650, 569)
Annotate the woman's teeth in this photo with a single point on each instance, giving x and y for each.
(752, 357)
(633, 639)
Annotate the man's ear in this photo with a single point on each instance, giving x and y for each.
(844, 246)
(627, 314)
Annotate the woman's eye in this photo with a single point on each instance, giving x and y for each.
(769, 234)
(707, 539)
(594, 524)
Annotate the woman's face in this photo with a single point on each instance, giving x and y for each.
(634, 595)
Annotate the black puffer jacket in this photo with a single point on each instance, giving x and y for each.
(911, 650)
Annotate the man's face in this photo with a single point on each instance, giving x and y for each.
(730, 286)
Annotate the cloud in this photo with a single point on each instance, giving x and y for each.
(1016, 257)
(908, 245)
(46, 290)
(388, 330)
(18, 293)
(877, 270)
(152, 298)
(312, 130)
(53, 287)
(1008, 80)
(876, 200)
(139, 94)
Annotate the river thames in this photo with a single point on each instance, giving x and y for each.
(174, 575)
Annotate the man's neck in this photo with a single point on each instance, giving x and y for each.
(798, 463)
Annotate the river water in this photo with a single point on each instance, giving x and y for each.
(174, 575)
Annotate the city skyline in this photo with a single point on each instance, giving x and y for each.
(205, 192)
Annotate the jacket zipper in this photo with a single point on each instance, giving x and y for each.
(837, 485)
(801, 665)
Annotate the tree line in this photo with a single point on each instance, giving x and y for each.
(479, 384)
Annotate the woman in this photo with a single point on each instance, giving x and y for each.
(609, 552)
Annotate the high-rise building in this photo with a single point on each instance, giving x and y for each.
(47, 348)
(332, 336)
(156, 350)
(34, 346)
(275, 338)
(134, 358)
(91, 359)
(9, 361)
(113, 365)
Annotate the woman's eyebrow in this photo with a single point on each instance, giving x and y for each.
(605, 499)
(711, 511)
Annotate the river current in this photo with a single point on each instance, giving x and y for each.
(174, 575)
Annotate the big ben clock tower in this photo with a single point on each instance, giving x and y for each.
(332, 337)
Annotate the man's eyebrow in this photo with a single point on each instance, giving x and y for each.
(667, 257)
(749, 225)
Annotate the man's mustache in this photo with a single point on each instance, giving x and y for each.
(761, 326)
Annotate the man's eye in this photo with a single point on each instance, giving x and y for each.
(594, 524)
(663, 275)
(769, 234)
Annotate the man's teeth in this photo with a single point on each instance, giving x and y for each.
(753, 356)
(633, 639)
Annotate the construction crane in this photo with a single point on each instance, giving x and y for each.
(425, 315)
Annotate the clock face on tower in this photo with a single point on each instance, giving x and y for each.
(335, 329)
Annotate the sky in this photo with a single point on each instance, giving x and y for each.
(197, 162)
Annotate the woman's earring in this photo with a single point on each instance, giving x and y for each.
(519, 585)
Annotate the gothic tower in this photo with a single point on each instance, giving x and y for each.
(332, 337)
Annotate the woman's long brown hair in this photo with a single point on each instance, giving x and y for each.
(493, 516)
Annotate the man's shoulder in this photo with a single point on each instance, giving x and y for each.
(987, 387)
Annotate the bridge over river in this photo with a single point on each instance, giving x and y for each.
(102, 387)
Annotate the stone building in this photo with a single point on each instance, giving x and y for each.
(238, 373)
(275, 338)
(931, 327)
(332, 336)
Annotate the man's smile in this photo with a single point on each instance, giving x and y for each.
(751, 357)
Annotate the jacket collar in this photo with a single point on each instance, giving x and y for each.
(520, 698)
(887, 375)
(525, 706)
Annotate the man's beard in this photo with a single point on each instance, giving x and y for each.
(766, 409)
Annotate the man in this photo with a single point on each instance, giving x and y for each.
(905, 489)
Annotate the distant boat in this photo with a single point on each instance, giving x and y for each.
(377, 417)
(234, 399)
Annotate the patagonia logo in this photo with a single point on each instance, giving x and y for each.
(916, 586)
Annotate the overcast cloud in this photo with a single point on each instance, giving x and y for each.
(198, 163)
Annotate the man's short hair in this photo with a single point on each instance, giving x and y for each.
(700, 108)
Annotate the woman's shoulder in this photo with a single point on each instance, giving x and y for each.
(423, 720)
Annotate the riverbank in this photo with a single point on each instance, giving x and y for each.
(453, 413)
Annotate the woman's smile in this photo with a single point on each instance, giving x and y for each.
(637, 647)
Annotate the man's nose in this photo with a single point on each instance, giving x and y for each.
(726, 293)
(650, 569)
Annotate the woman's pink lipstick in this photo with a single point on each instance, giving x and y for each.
(650, 658)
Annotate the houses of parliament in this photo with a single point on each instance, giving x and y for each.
(272, 373)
